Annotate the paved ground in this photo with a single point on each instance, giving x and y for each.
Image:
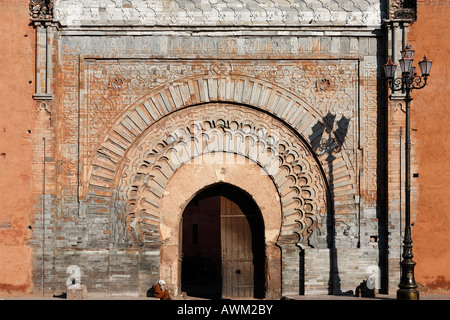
(378, 297)
(423, 296)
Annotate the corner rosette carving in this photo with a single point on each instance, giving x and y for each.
(41, 9)
(403, 9)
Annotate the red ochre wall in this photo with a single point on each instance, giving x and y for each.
(431, 118)
(16, 117)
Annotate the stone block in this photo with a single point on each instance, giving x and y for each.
(77, 292)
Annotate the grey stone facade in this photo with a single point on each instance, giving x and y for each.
(128, 13)
(111, 72)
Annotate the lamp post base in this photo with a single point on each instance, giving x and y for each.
(407, 287)
(407, 294)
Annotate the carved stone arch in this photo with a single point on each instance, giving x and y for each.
(259, 187)
(274, 147)
(159, 112)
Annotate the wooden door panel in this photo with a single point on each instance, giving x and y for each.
(237, 255)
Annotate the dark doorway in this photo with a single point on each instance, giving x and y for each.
(223, 245)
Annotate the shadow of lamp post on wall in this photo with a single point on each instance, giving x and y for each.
(406, 83)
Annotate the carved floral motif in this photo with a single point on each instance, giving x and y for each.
(327, 87)
(41, 9)
(403, 9)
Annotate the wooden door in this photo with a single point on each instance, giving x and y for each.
(237, 253)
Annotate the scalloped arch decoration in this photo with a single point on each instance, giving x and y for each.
(188, 135)
(164, 111)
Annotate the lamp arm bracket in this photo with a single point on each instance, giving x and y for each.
(407, 83)
(396, 84)
(417, 82)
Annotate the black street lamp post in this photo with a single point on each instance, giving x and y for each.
(409, 81)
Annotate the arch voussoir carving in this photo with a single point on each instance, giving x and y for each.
(201, 130)
(164, 130)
